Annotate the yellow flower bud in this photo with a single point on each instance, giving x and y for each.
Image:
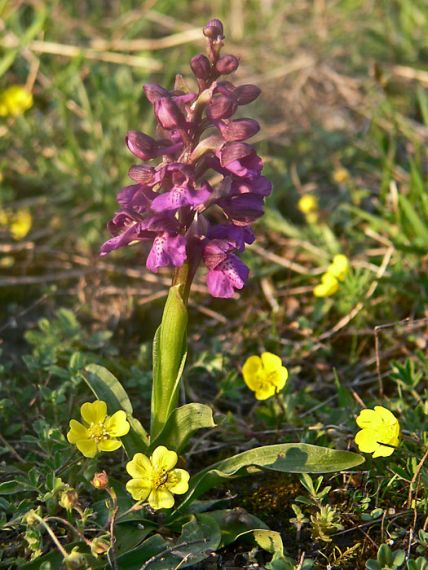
(69, 499)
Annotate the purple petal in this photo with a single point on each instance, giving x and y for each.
(168, 114)
(136, 197)
(242, 209)
(130, 234)
(215, 251)
(237, 236)
(178, 197)
(167, 250)
(230, 274)
(161, 223)
(238, 130)
(240, 159)
(260, 185)
(141, 145)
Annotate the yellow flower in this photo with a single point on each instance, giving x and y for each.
(380, 433)
(336, 271)
(340, 175)
(15, 100)
(308, 203)
(19, 223)
(328, 286)
(339, 268)
(264, 375)
(99, 432)
(154, 479)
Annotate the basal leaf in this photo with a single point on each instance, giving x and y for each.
(287, 458)
(169, 357)
(182, 424)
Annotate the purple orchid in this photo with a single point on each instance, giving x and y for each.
(172, 203)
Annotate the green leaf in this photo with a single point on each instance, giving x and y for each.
(135, 559)
(169, 357)
(182, 424)
(107, 387)
(418, 225)
(287, 458)
(200, 536)
(14, 486)
(235, 523)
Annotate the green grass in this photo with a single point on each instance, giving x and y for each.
(61, 307)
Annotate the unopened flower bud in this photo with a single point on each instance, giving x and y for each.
(75, 560)
(141, 145)
(214, 30)
(238, 130)
(153, 91)
(69, 499)
(227, 64)
(168, 113)
(100, 480)
(99, 546)
(31, 518)
(221, 107)
(245, 94)
(201, 66)
(141, 173)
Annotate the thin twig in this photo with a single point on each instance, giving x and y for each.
(415, 476)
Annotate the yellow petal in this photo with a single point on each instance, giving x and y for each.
(163, 459)
(94, 412)
(109, 444)
(16, 99)
(267, 391)
(339, 268)
(312, 218)
(140, 467)
(139, 489)
(21, 224)
(77, 431)
(328, 286)
(307, 203)
(366, 441)
(178, 481)
(254, 382)
(386, 416)
(368, 419)
(88, 447)
(161, 499)
(278, 378)
(117, 425)
(383, 451)
(251, 366)
(271, 362)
